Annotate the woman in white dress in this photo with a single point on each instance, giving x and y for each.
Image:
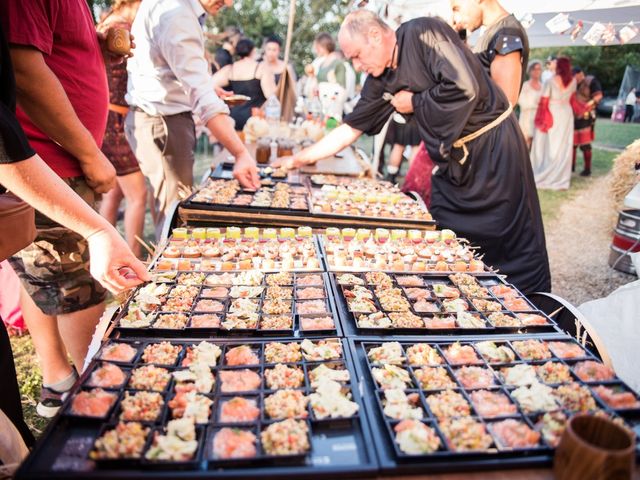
(529, 99)
(552, 148)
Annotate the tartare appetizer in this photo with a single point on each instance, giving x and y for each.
(493, 353)
(198, 376)
(171, 321)
(330, 349)
(490, 404)
(416, 438)
(512, 433)
(238, 410)
(92, 403)
(289, 437)
(163, 353)
(400, 406)
(149, 377)
(519, 375)
(391, 376)
(241, 355)
(475, 377)
(423, 354)
(409, 281)
(330, 400)
(551, 425)
(191, 405)
(279, 293)
(590, 371)
(239, 380)
(276, 352)
(337, 374)
(566, 350)
(465, 434)
(118, 352)
(276, 322)
(458, 354)
(553, 372)
(107, 375)
(535, 398)
(283, 376)
(125, 441)
(373, 320)
(503, 320)
(205, 320)
(286, 404)
(616, 397)
(433, 378)
(179, 444)
(141, 406)
(204, 352)
(310, 293)
(574, 397)
(317, 323)
(448, 404)
(406, 320)
(531, 349)
(387, 353)
(306, 280)
(230, 443)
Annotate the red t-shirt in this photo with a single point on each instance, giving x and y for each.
(64, 32)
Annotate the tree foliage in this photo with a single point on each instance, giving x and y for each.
(261, 18)
(606, 63)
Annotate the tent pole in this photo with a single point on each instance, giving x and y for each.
(287, 49)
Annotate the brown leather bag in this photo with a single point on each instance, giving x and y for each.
(17, 225)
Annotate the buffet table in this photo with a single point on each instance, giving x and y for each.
(348, 166)
(307, 353)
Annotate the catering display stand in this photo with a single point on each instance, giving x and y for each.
(445, 458)
(349, 164)
(337, 446)
(353, 327)
(360, 444)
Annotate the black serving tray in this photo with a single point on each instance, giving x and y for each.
(351, 328)
(191, 202)
(394, 461)
(338, 446)
(195, 262)
(296, 329)
(219, 211)
(409, 222)
(487, 270)
(224, 170)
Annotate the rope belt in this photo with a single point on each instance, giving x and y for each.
(122, 110)
(462, 142)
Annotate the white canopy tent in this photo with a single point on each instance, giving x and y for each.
(617, 12)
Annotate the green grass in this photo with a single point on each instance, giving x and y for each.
(29, 380)
(616, 135)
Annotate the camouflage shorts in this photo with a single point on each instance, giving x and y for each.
(54, 269)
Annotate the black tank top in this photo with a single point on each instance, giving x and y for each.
(251, 88)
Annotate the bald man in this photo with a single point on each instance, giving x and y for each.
(484, 187)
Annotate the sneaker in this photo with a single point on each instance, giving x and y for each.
(50, 402)
(585, 173)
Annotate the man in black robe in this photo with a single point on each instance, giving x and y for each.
(487, 195)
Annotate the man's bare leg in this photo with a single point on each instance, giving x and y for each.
(48, 344)
(77, 329)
